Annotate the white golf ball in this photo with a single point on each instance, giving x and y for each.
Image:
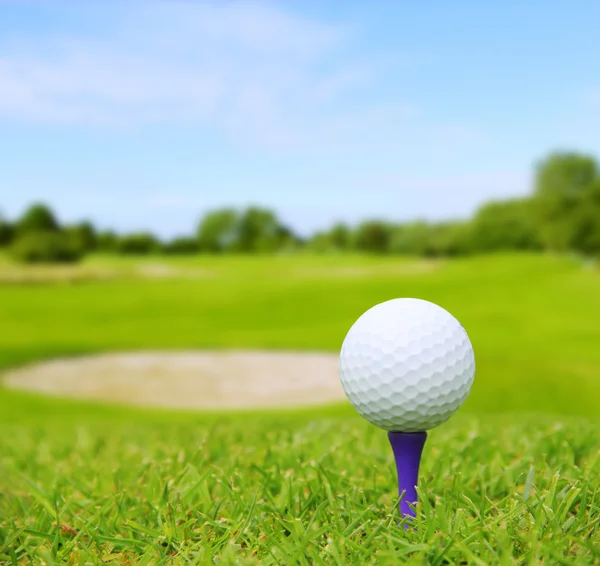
(407, 365)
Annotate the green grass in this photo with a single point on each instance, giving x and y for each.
(512, 479)
(294, 490)
(533, 320)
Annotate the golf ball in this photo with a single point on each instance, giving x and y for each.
(407, 365)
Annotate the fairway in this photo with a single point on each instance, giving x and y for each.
(533, 320)
(512, 478)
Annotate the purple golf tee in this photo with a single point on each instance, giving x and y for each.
(407, 448)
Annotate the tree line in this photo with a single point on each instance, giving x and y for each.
(561, 214)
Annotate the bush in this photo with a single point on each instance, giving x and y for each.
(84, 234)
(138, 243)
(181, 246)
(107, 241)
(46, 247)
(338, 239)
(320, 242)
(413, 238)
(449, 239)
(505, 225)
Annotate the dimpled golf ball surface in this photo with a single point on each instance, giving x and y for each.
(407, 365)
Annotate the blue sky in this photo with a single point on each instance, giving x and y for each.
(143, 115)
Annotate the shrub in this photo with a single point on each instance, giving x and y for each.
(83, 234)
(107, 241)
(412, 238)
(180, 246)
(46, 247)
(138, 243)
(505, 225)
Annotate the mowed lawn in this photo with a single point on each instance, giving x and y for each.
(513, 478)
(534, 321)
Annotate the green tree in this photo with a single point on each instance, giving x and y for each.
(448, 239)
(6, 232)
(340, 236)
(505, 225)
(107, 241)
(288, 240)
(138, 243)
(561, 186)
(259, 230)
(37, 218)
(217, 231)
(373, 236)
(181, 246)
(586, 238)
(320, 242)
(45, 247)
(413, 238)
(83, 235)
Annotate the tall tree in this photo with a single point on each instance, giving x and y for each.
(217, 231)
(259, 230)
(413, 238)
(373, 236)
(505, 225)
(181, 245)
(562, 184)
(83, 235)
(37, 218)
(448, 239)
(107, 241)
(141, 243)
(6, 231)
(587, 231)
(340, 236)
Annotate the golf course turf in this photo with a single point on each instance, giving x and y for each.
(513, 478)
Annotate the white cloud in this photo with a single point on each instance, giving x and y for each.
(253, 27)
(258, 74)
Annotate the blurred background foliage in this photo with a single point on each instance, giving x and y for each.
(562, 214)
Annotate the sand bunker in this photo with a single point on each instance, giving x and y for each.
(188, 379)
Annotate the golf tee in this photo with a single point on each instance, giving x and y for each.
(407, 448)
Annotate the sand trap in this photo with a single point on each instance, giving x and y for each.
(188, 379)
